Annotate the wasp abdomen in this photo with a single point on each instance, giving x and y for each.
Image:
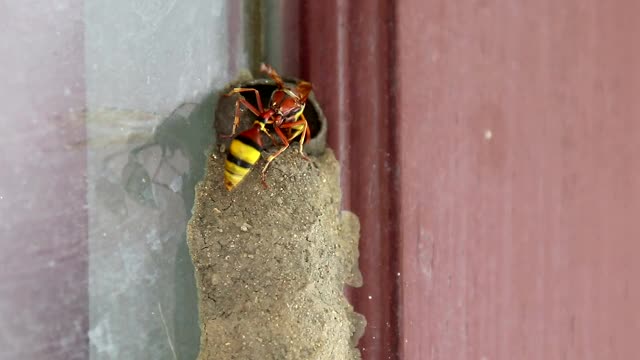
(244, 153)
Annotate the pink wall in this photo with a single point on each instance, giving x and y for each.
(44, 300)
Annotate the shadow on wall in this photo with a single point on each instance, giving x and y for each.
(143, 291)
(189, 131)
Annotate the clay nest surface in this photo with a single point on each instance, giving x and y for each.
(271, 263)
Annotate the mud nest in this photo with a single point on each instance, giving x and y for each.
(271, 263)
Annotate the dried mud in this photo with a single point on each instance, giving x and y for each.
(271, 263)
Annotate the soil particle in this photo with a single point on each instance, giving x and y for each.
(271, 263)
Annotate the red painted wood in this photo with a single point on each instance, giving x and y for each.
(524, 245)
(346, 52)
(501, 139)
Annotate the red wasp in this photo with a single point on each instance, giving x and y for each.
(284, 114)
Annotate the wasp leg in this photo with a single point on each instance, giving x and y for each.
(298, 127)
(272, 157)
(257, 93)
(236, 118)
(273, 140)
(273, 74)
(306, 137)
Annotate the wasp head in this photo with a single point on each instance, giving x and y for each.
(288, 104)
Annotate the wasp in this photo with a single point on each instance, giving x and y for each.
(284, 115)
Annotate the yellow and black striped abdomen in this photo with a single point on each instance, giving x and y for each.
(244, 153)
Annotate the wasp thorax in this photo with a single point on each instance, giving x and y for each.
(286, 104)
